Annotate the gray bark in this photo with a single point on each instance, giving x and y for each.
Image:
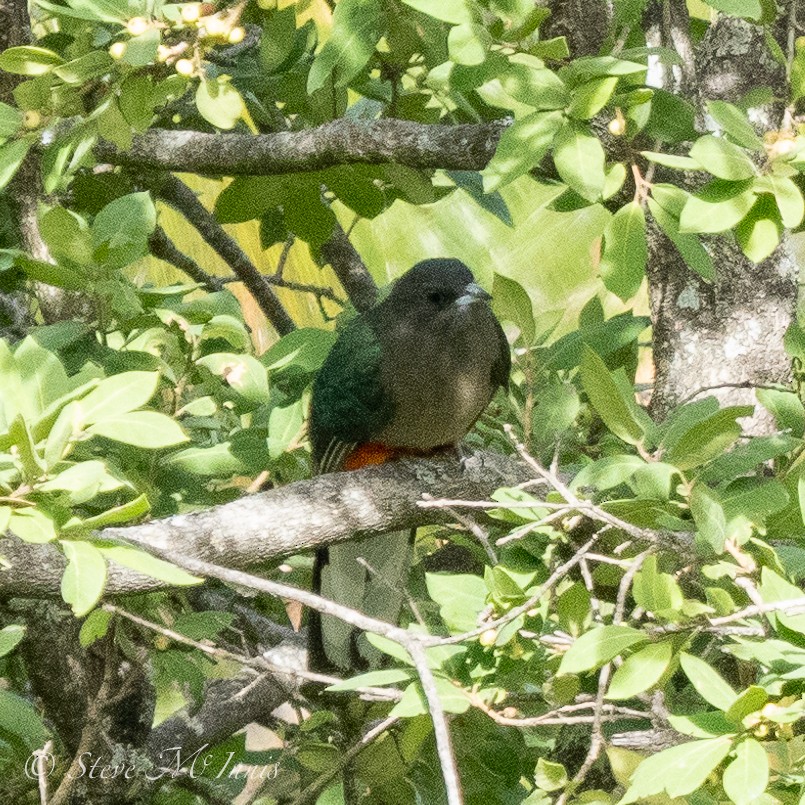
(730, 332)
(291, 519)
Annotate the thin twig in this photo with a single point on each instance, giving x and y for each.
(444, 747)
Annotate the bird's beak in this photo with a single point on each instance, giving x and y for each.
(473, 293)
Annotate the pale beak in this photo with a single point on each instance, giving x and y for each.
(473, 293)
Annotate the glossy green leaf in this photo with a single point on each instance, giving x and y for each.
(118, 394)
(654, 591)
(579, 159)
(759, 233)
(32, 525)
(677, 771)
(10, 637)
(788, 196)
(748, 9)
(521, 147)
(84, 577)
(640, 671)
(357, 27)
(146, 429)
(29, 60)
(709, 684)
(735, 123)
(219, 103)
(11, 157)
(591, 97)
(747, 776)
(625, 251)
(597, 647)
(550, 776)
(723, 159)
(708, 513)
(468, 44)
(606, 397)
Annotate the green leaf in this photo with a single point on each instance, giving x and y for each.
(711, 522)
(10, 636)
(759, 233)
(132, 510)
(623, 262)
(591, 97)
(735, 123)
(597, 647)
(672, 161)
(10, 120)
(550, 776)
(219, 103)
(787, 195)
(32, 525)
(244, 373)
(748, 701)
(786, 408)
(20, 436)
(461, 599)
(121, 230)
(29, 60)
(640, 671)
(606, 397)
(654, 591)
(706, 439)
(688, 245)
(748, 9)
(142, 50)
(357, 28)
(386, 676)
(84, 577)
(528, 80)
(521, 147)
(143, 562)
(677, 771)
(707, 682)
(454, 11)
(468, 44)
(118, 394)
(147, 429)
(94, 627)
(19, 718)
(579, 159)
(746, 778)
(284, 425)
(11, 157)
(723, 159)
(91, 65)
(719, 206)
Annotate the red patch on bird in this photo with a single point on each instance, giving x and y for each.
(368, 454)
(372, 453)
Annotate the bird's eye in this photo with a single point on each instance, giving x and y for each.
(438, 298)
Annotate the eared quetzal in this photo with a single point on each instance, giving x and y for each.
(408, 376)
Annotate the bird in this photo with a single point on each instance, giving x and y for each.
(409, 376)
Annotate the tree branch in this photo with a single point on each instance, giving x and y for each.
(267, 526)
(181, 197)
(341, 142)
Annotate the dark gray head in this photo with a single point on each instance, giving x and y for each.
(440, 285)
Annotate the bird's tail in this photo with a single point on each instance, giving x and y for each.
(367, 575)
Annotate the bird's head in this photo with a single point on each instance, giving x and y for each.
(439, 288)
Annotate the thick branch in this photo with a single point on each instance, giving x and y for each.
(341, 142)
(294, 518)
(181, 197)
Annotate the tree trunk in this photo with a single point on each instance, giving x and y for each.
(730, 332)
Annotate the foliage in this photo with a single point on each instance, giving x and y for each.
(686, 615)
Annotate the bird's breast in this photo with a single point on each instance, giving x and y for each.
(439, 383)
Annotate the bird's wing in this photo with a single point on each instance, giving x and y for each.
(350, 405)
